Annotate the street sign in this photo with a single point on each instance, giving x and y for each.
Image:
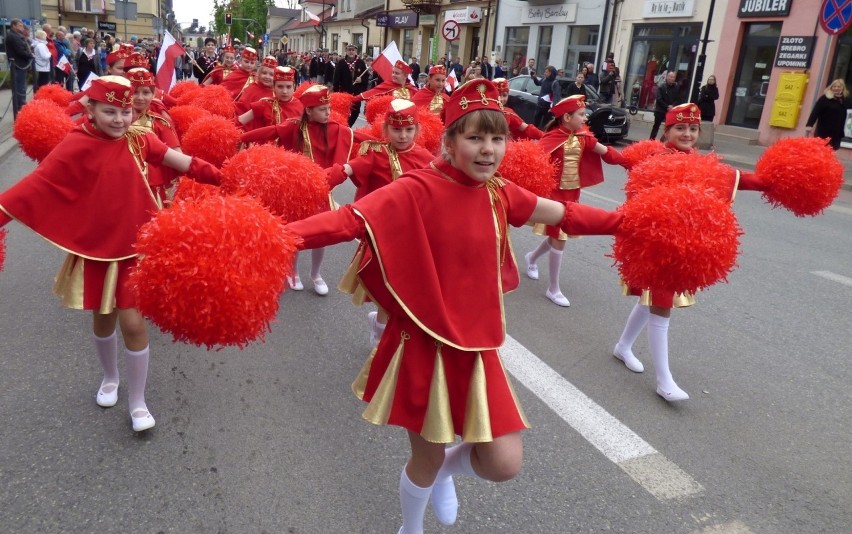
(835, 16)
(265, 38)
(450, 30)
(285, 40)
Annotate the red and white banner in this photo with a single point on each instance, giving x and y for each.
(64, 65)
(384, 63)
(88, 81)
(315, 19)
(451, 81)
(169, 52)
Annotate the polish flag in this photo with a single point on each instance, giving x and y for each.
(314, 18)
(64, 65)
(384, 63)
(88, 81)
(451, 81)
(169, 51)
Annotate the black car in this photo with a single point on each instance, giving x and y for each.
(607, 122)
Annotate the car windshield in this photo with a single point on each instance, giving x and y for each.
(592, 94)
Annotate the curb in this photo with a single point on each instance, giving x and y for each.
(6, 148)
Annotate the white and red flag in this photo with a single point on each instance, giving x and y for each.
(169, 52)
(451, 82)
(315, 19)
(64, 65)
(384, 63)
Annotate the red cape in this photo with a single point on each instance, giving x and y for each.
(88, 196)
(387, 87)
(254, 92)
(235, 82)
(424, 96)
(262, 110)
(373, 170)
(329, 145)
(591, 169)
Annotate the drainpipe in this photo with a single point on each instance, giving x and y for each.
(367, 42)
(598, 52)
(483, 43)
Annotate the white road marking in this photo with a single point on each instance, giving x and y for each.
(619, 444)
(600, 197)
(839, 278)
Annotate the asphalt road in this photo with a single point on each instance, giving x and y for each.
(270, 439)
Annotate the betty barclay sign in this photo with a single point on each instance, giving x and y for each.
(764, 8)
(468, 15)
(549, 14)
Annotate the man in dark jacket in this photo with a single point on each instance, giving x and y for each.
(20, 56)
(333, 60)
(591, 77)
(415, 68)
(346, 71)
(668, 96)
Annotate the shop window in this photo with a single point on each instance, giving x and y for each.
(843, 59)
(407, 44)
(751, 82)
(582, 45)
(515, 49)
(545, 37)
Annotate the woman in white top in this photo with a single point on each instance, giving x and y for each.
(42, 60)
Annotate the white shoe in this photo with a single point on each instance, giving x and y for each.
(295, 283)
(675, 393)
(629, 359)
(445, 503)
(557, 298)
(532, 268)
(143, 421)
(320, 287)
(104, 399)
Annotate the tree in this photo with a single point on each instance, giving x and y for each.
(256, 10)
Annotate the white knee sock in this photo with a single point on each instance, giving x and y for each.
(636, 321)
(539, 251)
(445, 503)
(137, 376)
(658, 343)
(107, 349)
(317, 255)
(555, 266)
(413, 500)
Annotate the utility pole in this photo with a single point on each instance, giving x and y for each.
(702, 58)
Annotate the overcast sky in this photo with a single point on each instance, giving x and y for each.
(186, 10)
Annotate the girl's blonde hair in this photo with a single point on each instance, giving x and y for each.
(842, 83)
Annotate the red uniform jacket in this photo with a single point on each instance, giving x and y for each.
(264, 115)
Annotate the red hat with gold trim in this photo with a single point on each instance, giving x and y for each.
(401, 112)
(249, 54)
(228, 49)
(114, 57)
(113, 90)
(269, 62)
(438, 69)
(568, 105)
(403, 66)
(315, 95)
(135, 60)
(683, 114)
(284, 74)
(502, 85)
(140, 77)
(472, 96)
(126, 48)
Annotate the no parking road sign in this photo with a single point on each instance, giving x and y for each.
(450, 30)
(835, 16)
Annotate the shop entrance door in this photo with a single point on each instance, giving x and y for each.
(752, 80)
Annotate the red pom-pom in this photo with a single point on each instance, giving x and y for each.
(184, 92)
(55, 93)
(339, 118)
(40, 126)
(704, 171)
(431, 131)
(211, 270)
(802, 175)
(3, 234)
(302, 88)
(342, 103)
(289, 184)
(639, 152)
(188, 189)
(184, 116)
(529, 166)
(376, 108)
(215, 99)
(213, 139)
(676, 239)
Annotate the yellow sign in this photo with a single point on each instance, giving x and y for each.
(788, 99)
(284, 40)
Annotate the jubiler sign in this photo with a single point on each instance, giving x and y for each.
(795, 52)
(764, 8)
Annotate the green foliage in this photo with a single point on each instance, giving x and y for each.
(241, 9)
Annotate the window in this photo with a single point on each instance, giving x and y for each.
(407, 44)
(757, 56)
(515, 49)
(582, 46)
(335, 40)
(358, 41)
(545, 37)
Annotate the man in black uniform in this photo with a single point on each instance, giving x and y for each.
(346, 72)
(668, 96)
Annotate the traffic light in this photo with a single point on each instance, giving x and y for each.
(229, 18)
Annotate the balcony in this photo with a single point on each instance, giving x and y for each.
(93, 7)
(429, 7)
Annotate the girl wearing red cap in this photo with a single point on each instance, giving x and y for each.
(271, 111)
(244, 76)
(577, 156)
(437, 257)
(399, 85)
(262, 86)
(380, 163)
(115, 67)
(434, 95)
(653, 308)
(325, 141)
(517, 127)
(89, 197)
(224, 69)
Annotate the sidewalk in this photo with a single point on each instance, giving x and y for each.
(739, 155)
(7, 144)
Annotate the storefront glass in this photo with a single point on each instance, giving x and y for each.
(751, 83)
(843, 59)
(581, 48)
(545, 37)
(515, 48)
(655, 50)
(407, 44)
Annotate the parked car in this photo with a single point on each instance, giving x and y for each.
(608, 123)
